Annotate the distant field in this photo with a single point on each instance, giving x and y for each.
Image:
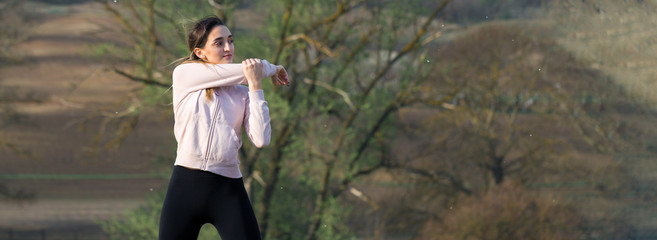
(46, 94)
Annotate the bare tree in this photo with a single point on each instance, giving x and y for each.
(523, 115)
(513, 96)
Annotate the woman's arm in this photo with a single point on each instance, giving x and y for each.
(191, 77)
(256, 119)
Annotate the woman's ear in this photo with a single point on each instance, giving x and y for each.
(199, 53)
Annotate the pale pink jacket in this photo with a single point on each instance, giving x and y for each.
(209, 131)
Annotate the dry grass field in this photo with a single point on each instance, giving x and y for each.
(53, 84)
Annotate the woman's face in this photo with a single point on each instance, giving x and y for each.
(218, 49)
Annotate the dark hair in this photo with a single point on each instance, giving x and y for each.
(198, 36)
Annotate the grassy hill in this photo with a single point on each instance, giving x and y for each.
(617, 38)
(591, 97)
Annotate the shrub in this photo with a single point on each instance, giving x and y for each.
(509, 212)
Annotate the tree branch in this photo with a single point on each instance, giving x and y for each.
(409, 47)
(179, 30)
(453, 182)
(341, 92)
(286, 25)
(323, 48)
(126, 25)
(141, 80)
(359, 47)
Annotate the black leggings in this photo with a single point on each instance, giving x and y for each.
(197, 197)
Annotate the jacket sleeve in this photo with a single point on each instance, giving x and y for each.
(256, 119)
(192, 77)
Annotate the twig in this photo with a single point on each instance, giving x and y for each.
(341, 92)
(140, 79)
(323, 48)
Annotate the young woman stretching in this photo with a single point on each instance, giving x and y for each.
(210, 108)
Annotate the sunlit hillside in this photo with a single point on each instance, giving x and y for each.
(615, 37)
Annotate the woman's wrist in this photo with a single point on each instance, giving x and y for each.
(254, 85)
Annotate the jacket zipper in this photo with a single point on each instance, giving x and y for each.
(210, 136)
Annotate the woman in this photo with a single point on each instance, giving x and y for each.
(210, 108)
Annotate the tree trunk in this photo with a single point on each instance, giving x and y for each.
(498, 170)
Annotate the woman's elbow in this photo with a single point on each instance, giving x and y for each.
(261, 143)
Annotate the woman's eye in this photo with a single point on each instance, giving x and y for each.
(230, 40)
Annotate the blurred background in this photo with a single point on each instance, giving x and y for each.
(419, 119)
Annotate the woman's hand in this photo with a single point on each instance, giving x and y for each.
(281, 77)
(254, 73)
